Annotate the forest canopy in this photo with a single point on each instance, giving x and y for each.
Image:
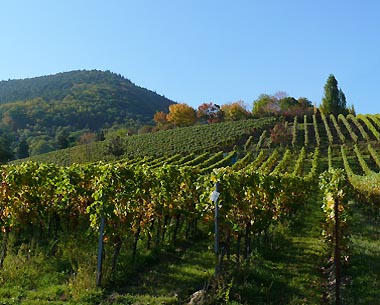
(40, 111)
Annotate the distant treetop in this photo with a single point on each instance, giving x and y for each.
(280, 104)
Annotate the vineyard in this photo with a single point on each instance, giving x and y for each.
(272, 221)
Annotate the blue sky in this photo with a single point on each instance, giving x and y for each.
(199, 51)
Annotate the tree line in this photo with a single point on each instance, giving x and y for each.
(279, 104)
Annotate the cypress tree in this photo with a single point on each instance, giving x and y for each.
(334, 100)
(343, 102)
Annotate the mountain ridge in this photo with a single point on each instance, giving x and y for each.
(41, 108)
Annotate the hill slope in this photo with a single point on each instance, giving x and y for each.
(159, 218)
(68, 104)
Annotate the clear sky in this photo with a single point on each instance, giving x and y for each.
(197, 51)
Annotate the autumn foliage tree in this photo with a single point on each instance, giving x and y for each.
(265, 105)
(210, 113)
(181, 115)
(280, 134)
(281, 104)
(160, 118)
(291, 107)
(235, 111)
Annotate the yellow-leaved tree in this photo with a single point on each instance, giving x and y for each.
(160, 118)
(235, 111)
(181, 115)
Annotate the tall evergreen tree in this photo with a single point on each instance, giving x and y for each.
(22, 150)
(62, 139)
(351, 110)
(334, 100)
(343, 102)
(5, 152)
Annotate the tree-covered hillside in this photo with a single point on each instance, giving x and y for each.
(46, 113)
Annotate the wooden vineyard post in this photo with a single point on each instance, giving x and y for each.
(334, 184)
(100, 252)
(214, 198)
(337, 253)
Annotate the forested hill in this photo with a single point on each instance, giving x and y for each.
(102, 89)
(39, 111)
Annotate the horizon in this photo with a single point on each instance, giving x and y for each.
(201, 52)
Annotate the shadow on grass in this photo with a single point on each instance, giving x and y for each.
(363, 270)
(264, 284)
(283, 270)
(178, 272)
(287, 268)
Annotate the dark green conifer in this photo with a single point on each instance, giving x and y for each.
(334, 100)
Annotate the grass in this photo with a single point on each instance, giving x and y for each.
(174, 276)
(363, 270)
(33, 280)
(31, 276)
(288, 271)
(285, 269)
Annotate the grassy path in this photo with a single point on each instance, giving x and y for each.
(172, 278)
(289, 273)
(286, 270)
(363, 271)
